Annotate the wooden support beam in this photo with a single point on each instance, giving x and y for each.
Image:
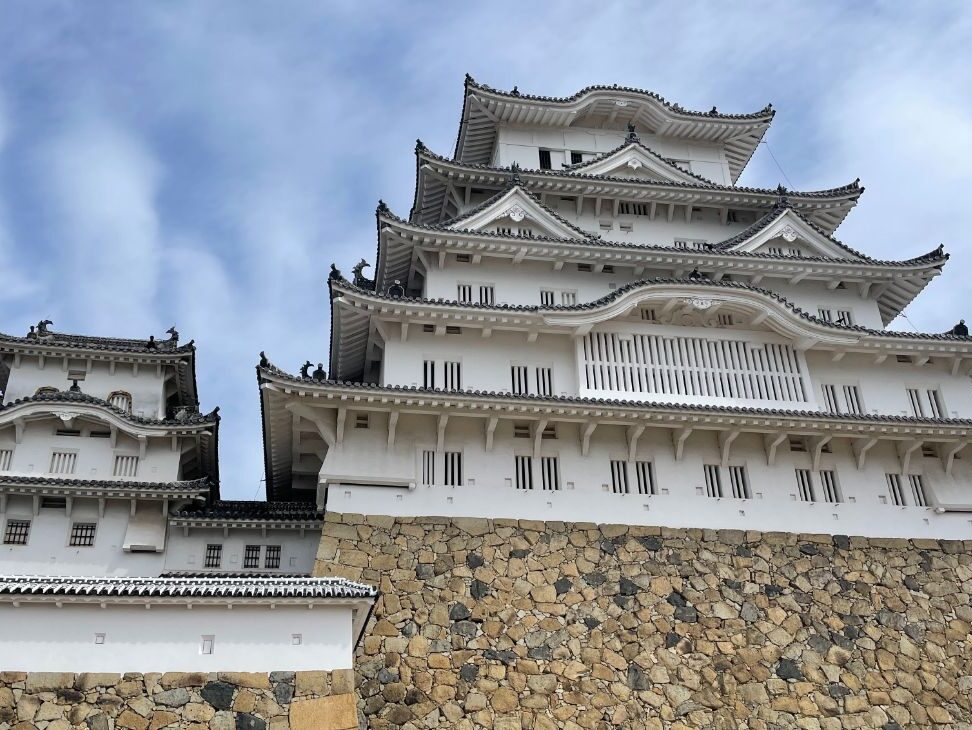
(404, 332)
(671, 211)
(490, 429)
(956, 364)
(905, 450)
(949, 453)
(652, 210)
(725, 445)
(771, 442)
(860, 447)
(342, 417)
(586, 433)
(538, 436)
(440, 432)
(816, 449)
(633, 433)
(679, 436)
(392, 427)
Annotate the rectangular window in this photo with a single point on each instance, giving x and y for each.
(463, 258)
(645, 474)
(214, 556)
(843, 317)
(73, 432)
(894, 489)
(648, 315)
(550, 473)
(452, 465)
(206, 644)
(713, 481)
(634, 208)
(935, 407)
(585, 267)
(6, 456)
(914, 398)
(251, 556)
(828, 483)
(452, 375)
(546, 298)
(739, 482)
(362, 420)
(619, 476)
(453, 330)
(519, 375)
(852, 397)
(549, 432)
(524, 472)
(568, 298)
(125, 465)
(83, 534)
(825, 314)
(487, 294)
(797, 444)
(544, 381)
(53, 502)
(63, 462)
(521, 430)
(576, 158)
(428, 467)
(830, 398)
(918, 490)
(16, 532)
(464, 293)
(545, 160)
(804, 485)
(428, 375)
(271, 558)
(725, 320)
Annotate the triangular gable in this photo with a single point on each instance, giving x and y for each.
(635, 161)
(792, 233)
(515, 210)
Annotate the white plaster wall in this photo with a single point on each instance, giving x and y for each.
(147, 387)
(585, 483)
(187, 552)
(44, 638)
(522, 144)
(48, 551)
(96, 456)
(521, 284)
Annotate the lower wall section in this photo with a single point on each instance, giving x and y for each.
(510, 624)
(198, 701)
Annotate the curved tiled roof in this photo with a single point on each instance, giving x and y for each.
(766, 112)
(117, 344)
(629, 142)
(195, 485)
(184, 587)
(607, 299)
(191, 419)
(554, 400)
(850, 188)
(253, 511)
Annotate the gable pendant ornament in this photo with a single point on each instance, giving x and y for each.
(515, 213)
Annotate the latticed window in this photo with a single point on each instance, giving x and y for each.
(828, 482)
(519, 379)
(544, 381)
(63, 462)
(452, 375)
(619, 476)
(126, 465)
(428, 467)
(6, 456)
(713, 481)
(805, 485)
(121, 400)
(16, 532)
(918, 490)
(524, 472)
(214, 556)
(739, 482)
(645, 474)
(251, 556)
(894, 490)
(550, 473)
(83, 534)
(452, 466)
(271, 558)
(487, 294)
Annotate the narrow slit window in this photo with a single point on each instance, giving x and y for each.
(619, 476)
(546, 298)
(126, 465)
(918, 490)
(739, 482)
(214, 556)
(519, 377)
(16, 532)
(550, 473)
(63, 462)
(207, 644)
(935, 407)
(121, 400)
(645, 474)
(545, 163)
(544, 381)
(830, 398)
(271, 559)
(713, 481)
(524, 472)
(852, 397)
(428, 374)
(914, 398)
(251, 556)
(804, 485)
(828, 484)
(452, 375)
(452, 464)
(894, 489)
(428, 467)
(83, 534)
(6, 457)
(487, 294)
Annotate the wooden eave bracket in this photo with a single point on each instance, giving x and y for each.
(905, 449)
(538, 430)
(586, 434)
(771, 442)
(726, 439)
(679, 436)
(490, 430)
(633, 433)
(860, 447)
(392, 427)
(949, 454)
(816, 449)
(441, 432)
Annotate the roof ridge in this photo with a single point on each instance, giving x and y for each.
(64, 396)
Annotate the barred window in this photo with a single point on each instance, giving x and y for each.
(214, 556)
(524, 472)
(428, 370)
(271, 558)
(6, 456)
(464, 293)
(452, 375)
(918, 490)
(544, 381)
(487, 294)
(828, 481)
(805, 485)
(645, 474)
(63, 462)
(428, 467)
(125, 465)
(546, 297)
(713, 481)
(739, 482)
(16, 532)
(121, 400)
(251, 556)
(83, 534)
(550, 473)
(619, 476)
(894, 489)
(452, 465)
(520, 385)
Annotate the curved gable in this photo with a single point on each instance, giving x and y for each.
(516, 212)
(784, 231)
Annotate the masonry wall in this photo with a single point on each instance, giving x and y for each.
(517, 624)
(194, 701)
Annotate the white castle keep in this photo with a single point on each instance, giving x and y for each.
(583, 318)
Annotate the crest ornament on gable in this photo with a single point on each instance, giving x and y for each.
(516, 213)
(634, 164)
(698, 303)
(788, 234)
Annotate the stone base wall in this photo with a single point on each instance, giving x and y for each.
(197, 701)
(525, 625)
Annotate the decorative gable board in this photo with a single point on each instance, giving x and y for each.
(790, 231)
(516, 210)
(635, 162)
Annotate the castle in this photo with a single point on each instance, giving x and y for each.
(607, 441)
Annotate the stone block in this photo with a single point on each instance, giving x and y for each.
(49, 681)
(251, 680)
(338, 712)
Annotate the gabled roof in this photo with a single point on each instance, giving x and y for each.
(434, 173)
(516, 204)
(634, 160)
(484, 108)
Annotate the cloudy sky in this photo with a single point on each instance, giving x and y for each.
(203, 163)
